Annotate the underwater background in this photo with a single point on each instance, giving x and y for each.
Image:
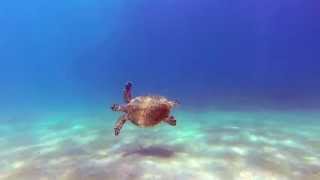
(246, 73)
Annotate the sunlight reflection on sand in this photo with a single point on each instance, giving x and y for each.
(211, 145)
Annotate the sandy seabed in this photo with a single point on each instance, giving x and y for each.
(203, 146)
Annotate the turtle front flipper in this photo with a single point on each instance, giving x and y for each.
(127, 93)
(120, 124)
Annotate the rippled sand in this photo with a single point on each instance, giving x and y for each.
(203, 146)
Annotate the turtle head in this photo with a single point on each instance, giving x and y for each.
(117, 108)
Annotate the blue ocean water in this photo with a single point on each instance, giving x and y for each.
(246, 74)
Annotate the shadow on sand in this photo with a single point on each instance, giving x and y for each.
(155, 151)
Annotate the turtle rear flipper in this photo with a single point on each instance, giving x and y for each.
(127, 93)
(171, 120)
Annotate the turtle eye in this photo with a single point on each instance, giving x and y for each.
(114, 107)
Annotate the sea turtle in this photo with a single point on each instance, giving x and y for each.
(143, 111)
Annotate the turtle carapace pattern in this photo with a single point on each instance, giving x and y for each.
(143, 111)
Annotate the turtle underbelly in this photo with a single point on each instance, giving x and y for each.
(149, 118)
(144, 123)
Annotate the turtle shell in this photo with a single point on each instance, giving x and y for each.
(147, 111)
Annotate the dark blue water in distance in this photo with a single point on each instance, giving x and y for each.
(60, 57)
(83, 52)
